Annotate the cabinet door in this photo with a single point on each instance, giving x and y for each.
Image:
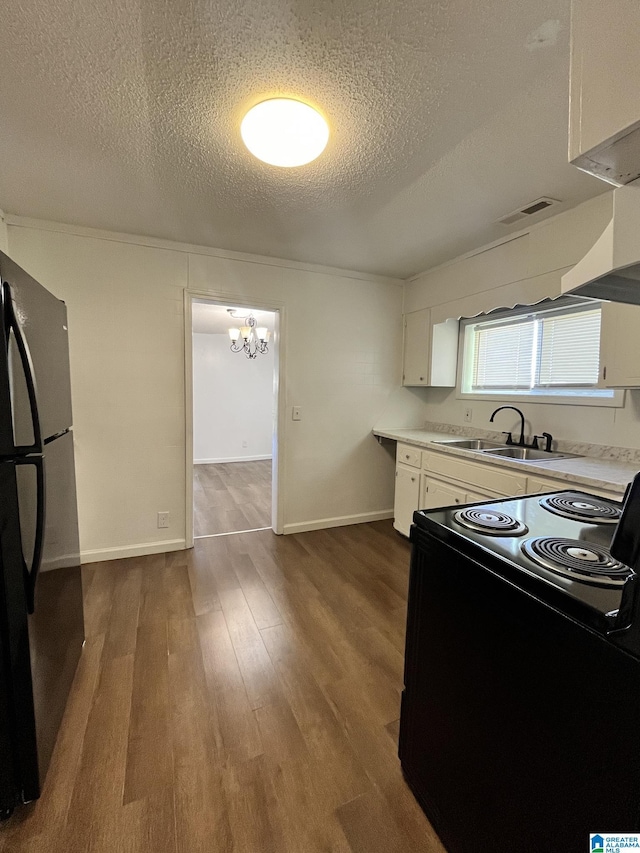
(437, 493)
(604, 54)
(406, 498)
(620, 346)
(476, 497)
(417, 347)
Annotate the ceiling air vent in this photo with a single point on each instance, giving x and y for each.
(530, 209)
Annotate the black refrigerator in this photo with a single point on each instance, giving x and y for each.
(41, 619)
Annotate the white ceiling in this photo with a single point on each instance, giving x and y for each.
(211, 319)
(445, 115)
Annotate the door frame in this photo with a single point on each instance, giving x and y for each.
(277, 462)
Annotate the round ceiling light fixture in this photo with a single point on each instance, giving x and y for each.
(284, 132)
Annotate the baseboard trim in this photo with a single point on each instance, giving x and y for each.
(339, 521)
(140, 550)
(230, 459)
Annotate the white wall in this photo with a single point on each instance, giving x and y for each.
(4, 235)
(525, 269)
(233, 402)
(126, 329)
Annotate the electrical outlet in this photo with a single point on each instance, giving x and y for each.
(296, 413)
(163, 519)
(468, 414)
(244, 443)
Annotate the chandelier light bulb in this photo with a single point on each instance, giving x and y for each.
(249, 338)
(284, 132)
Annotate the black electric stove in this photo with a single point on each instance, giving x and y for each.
(537, 544)
(520, 719)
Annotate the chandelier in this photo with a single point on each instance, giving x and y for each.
(250, 338)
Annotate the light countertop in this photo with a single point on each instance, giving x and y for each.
(609, 474)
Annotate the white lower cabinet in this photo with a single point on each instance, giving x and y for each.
(447, 480)
(407, 497)
(444, 481)
(437, 492)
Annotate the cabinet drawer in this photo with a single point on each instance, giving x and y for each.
(483, 476)
(408, 455)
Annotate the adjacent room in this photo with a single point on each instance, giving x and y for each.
(234, 418)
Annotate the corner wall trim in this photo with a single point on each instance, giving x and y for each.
(140, 550)
(340, 521)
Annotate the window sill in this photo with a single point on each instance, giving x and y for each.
(614, 402)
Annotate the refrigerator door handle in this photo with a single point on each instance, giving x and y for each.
(31, 574)
(27, 366)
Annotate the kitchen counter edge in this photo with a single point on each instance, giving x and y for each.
(600, 473)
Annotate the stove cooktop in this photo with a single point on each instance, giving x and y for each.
(581, 575)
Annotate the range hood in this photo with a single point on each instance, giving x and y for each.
(611, 268)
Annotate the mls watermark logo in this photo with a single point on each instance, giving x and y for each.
(613, 842)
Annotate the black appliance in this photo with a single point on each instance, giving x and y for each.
(520, 719)
(41, 619)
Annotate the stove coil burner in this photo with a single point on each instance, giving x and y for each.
(490, 521)
(575, 559)
(581, 507)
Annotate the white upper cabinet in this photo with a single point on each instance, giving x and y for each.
(620, 346)
(417, 348)
(430, 351)
(604, 111)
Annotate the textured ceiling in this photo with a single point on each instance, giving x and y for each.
(445, 116)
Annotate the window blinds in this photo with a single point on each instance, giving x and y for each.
(569, 349)
(553, 349)
(502, 355)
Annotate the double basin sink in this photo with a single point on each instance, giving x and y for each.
(491, 448)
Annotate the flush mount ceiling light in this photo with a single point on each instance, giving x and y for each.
(284, 132)
(250, 338)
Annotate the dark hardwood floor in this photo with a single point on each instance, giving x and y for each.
(231, 496)
(242, 697)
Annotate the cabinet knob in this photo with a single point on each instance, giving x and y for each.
(406, 455)
(422, 379)
(604, 372)
(457, 500)
(413, 479)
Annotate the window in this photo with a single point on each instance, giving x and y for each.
(550, 352)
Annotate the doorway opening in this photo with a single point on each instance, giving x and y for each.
(234, 406)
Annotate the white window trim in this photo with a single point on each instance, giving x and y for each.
(616, 401)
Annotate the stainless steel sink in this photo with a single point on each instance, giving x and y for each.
(470, 443)
(528, 454)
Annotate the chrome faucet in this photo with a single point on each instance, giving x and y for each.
(508, 434)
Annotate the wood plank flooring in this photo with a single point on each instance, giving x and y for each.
(231, 496)
(242, 697)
